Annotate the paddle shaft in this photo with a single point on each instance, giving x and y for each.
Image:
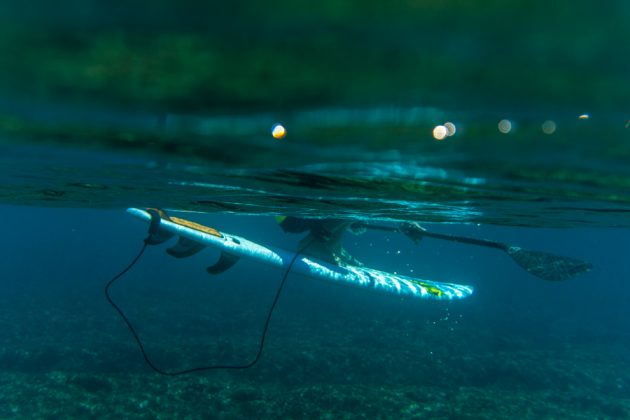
(462, 239)
(467, 240)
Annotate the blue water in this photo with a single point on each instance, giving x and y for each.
(105, 105)
(519, 347)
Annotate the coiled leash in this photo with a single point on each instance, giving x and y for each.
(153, 239)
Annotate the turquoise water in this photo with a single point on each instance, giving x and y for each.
(105, 106)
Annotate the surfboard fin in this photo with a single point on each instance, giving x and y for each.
(159, 238)
(184, 248)
(225, 262)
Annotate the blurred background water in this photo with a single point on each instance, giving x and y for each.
(504, 121)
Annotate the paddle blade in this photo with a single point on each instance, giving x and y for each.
(548, 266)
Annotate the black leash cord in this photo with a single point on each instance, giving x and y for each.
(200, 368)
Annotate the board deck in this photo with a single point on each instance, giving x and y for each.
(194, 237)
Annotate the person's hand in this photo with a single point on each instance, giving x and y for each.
(412, 230)
(357, 228)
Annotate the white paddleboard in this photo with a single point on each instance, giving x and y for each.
(193, 237)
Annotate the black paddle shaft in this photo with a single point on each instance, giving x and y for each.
(461, 239)
(466, 240)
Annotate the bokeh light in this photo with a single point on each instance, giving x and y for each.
(440, 132)
(549, 127)
(451, 128)
(278, 131)
(505, 126)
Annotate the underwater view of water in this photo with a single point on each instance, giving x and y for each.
(506, 123)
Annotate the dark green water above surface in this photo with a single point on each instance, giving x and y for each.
(326, 168)
(172, 103)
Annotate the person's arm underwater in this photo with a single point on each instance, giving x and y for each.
(412, 230)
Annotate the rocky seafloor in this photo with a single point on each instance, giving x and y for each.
(81, 363)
